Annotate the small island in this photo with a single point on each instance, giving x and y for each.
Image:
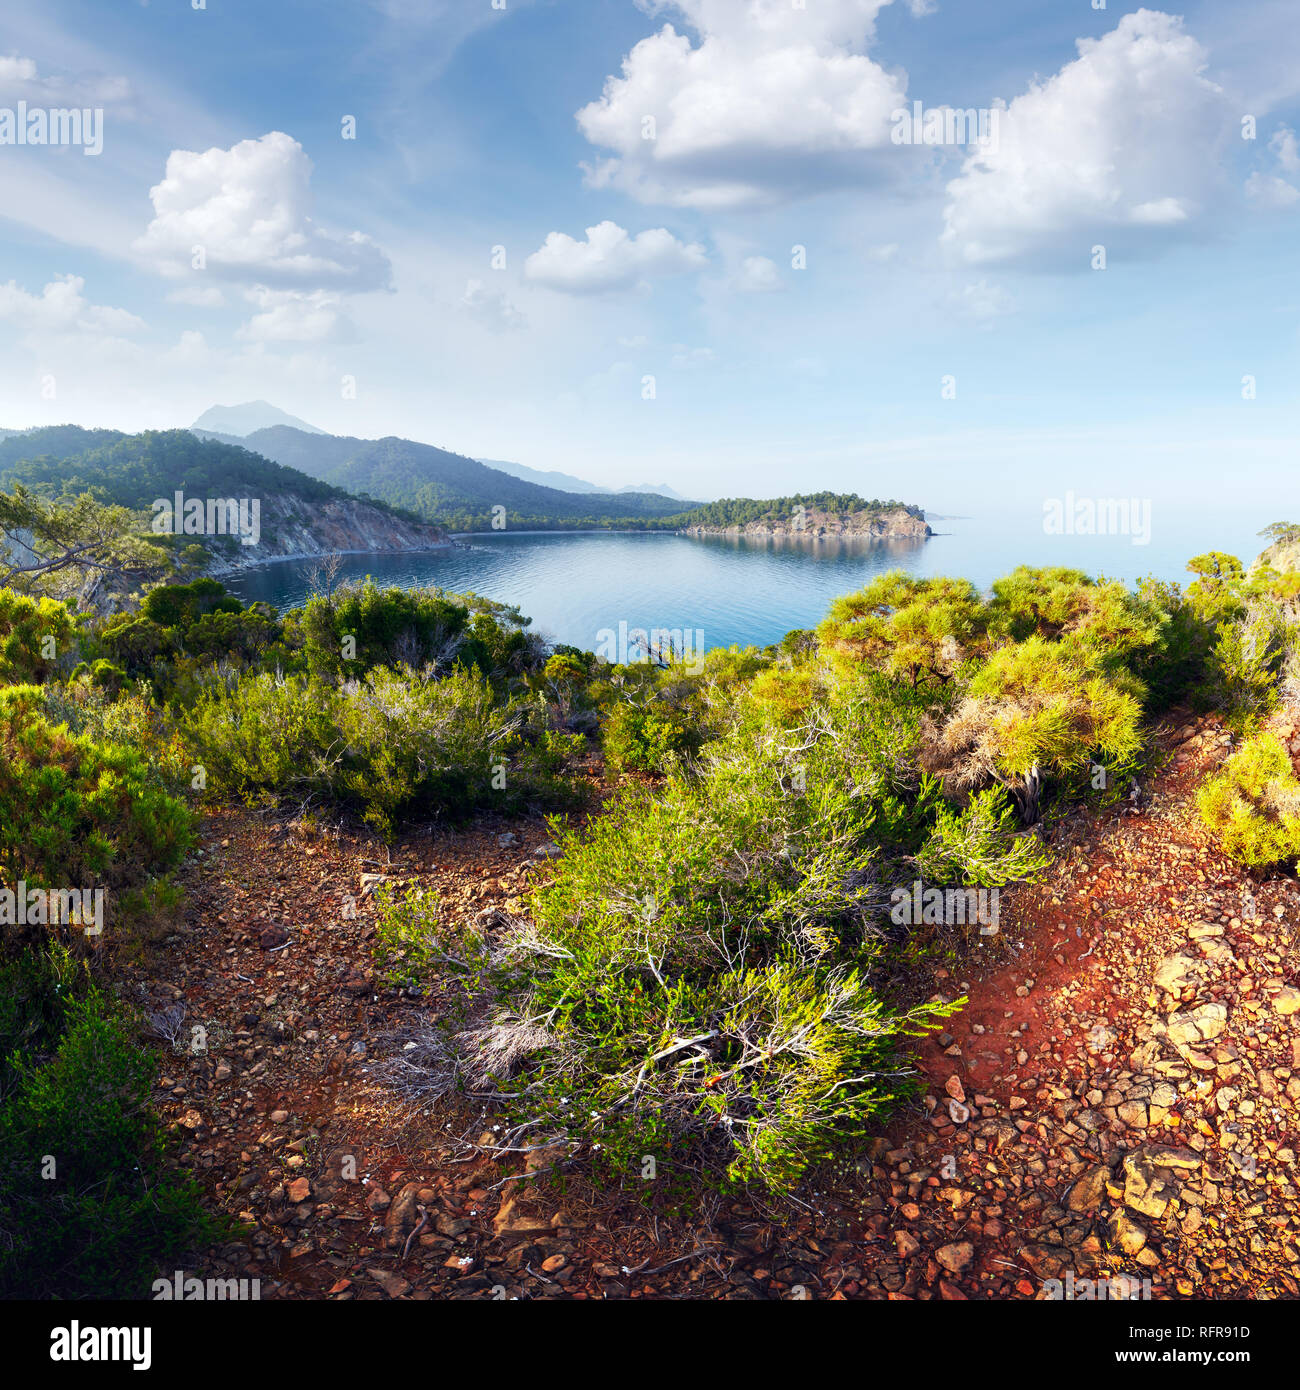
(811, 517)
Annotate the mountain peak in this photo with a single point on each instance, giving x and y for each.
(248, 419)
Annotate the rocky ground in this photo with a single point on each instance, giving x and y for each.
(1119, 1097)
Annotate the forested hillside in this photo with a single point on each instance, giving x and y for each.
(450, 489)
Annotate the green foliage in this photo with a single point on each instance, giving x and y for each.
(743, 511)
(1253, 804)
(416, 628)
(696, 981)
(394, 746)
(1037, 708)
(922, 629)
(77, 813)
(981, 845)
(644, 740)
(29, 629)
(1248, 655)
(406, 942)
(113, 1209)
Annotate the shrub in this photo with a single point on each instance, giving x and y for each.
(415, 628)
(1253, 804)
(37, 636)
(695, 980)
(392, 745)
(1249, 653)
(979, 846)
(644, 739)
(406, 935)
(919, 629)
(1035, 709)
(112, 1210)
(74, 812)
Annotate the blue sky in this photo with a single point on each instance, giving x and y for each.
(356, 282)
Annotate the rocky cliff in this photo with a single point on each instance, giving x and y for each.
(814, 525)
(295, 528)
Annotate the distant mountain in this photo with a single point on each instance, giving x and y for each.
(655, 489)
(449, 489)
(246, 419)
(298, 515)
(4, 434)
(566, 482)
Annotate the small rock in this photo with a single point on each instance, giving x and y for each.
(954, 1258)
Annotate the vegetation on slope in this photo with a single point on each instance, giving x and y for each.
(714, 971)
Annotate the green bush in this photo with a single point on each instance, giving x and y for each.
(1253, 804)
(393, 745)
(74, 812)
(641, 739)
(37, 637)
(414, 628)
(696, 979)
(88, 1203)
(980, 846)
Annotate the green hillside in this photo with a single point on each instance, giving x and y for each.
(455, 491)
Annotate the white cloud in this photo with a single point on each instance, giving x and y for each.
(291, 316)
(249, 208)
(773, 101)
(489, 307)
(1272, 190)
(1269, 191)
(20, 80)
(1285, 146)
(610, 259)
(61, 309)
(757, 275)
(1121, 146)
(197, 297)
(983, 301)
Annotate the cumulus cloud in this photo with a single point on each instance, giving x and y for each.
(249, 209)
(1121, 146)
(610, 259)
(1271, 190)
(757, 275)
(293, 316)
(491, 308)
(61, 309)
(772, 102)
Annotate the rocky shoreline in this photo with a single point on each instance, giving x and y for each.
(294, 529)
(818, 525)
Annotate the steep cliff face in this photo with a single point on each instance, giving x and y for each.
(818, 525)
(293, 528)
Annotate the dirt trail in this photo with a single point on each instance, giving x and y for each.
(1119, 1097)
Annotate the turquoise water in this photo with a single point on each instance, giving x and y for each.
(576, 585)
